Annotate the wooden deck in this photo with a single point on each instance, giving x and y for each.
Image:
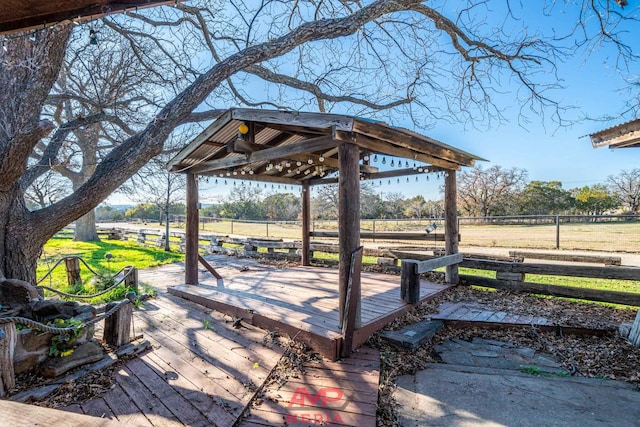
(302, 302)
(201, 370)
(341, 393)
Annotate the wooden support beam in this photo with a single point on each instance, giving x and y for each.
(348, 217)
(371, 144)
(8, 339)
(412, 142)
(117, 327)
(72, 265)
(388, 235)
(209, 267)
(191, 231)
(281, 152)
(306, 224)
(352, 316)
(451, 224)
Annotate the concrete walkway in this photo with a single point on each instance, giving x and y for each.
(457, 395)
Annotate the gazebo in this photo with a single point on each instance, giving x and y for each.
(308, 149)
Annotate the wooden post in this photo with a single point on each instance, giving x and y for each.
(73, 270)
(348, 216)
(306, 217)
(191, 232)
(131, 281)
(352, 319)
(7, 349)
(451, 224)
(409, 282)
(117, 327)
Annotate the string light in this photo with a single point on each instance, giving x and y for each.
(310, 161)
(366, 157)
(414, 166)
(406, 163)
(384, 161)
(392, 163)
(93, 37)
(298, 163)
(288, 164)
(321, 158)
(375, 158)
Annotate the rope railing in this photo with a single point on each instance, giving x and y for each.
(82, 296)
(63, 259)
(34, 324)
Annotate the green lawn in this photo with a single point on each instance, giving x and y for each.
(124, 253)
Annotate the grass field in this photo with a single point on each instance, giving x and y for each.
(124, 253)
(600, 236)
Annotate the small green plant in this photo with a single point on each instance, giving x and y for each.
(207, 324)
(60, 343)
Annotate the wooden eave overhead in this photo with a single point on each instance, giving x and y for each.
(278, 140)
(21, 15)
(621, 136)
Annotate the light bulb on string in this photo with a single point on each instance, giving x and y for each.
(406, 163)
(235, 172)
(321, 158)
(287, 164)
(414, 166)
(416, 179)
(420, 169)
(366, 157)
(228, 173)
(243, 172)
(392, 163)
(298, 163)
(251, 172)
(234, 183)
(407, 179)
(310, 161)
(216, 181)
(375, 158)
(384, 161)
(225, 182)
(398, 181)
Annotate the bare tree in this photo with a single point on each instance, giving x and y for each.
(388, 58)
(483, 192)
(46, 190)
(626, 186)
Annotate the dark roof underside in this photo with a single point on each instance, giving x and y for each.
(294, 147)
(21, 15)
(624, 135)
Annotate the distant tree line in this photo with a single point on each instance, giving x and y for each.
(482, 192)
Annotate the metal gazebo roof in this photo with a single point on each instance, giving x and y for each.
(624, 135)
(294, 147)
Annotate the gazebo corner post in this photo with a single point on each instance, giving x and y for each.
(191, 231)
(348, 222)
(306, 222)
(451, 235)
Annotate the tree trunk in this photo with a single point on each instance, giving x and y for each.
(20, 246)
(86, 228)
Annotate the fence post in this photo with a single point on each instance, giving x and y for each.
(131, 281)
(73, 270)
(267, 228)
(374, 230)
(231, 226)
(557, 231)
(117, 327)
(409, 281)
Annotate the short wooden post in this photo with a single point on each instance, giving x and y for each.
(117, 327)
(409, 281)
(634, 335)
(306, 218)
(72, 265)
(451, 224)
(7, 349)
(131, 280)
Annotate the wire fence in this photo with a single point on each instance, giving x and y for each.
(610, 233)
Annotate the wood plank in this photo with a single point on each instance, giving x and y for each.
(16, 414)
(625, 298)
(306, 224)
(611, 272)
(150, 405)
(209, 267)
(484, 316)
(387, 235)
(352, 311)
(97, 407)
(597, 259)
(497, 316)
(124, 408)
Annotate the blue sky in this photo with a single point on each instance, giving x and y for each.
(548, 152)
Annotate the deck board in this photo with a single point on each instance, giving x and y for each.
(352, 385)
(303, 302)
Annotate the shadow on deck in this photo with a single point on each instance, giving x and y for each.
(302, 302)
